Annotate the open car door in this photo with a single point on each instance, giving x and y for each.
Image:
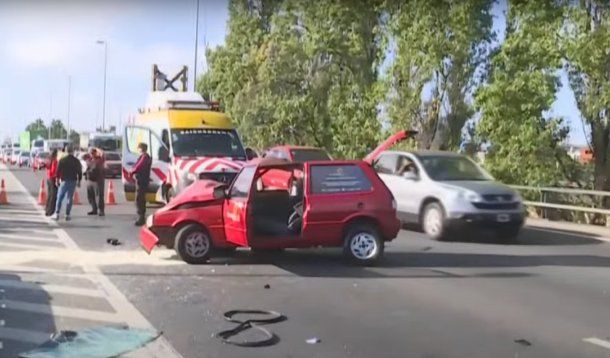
(235, 207)
(393, 139)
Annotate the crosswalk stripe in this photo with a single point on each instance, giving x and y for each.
(23, 335)
(26, 269)
(22, 246)
(29, 237)
(79, 313)
(49, 231)
(51, 288)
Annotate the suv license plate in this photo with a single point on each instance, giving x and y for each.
(502, 218)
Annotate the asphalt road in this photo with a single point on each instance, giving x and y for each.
(547, 296)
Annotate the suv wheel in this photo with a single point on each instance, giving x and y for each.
(193, 244)
(433, 221)
(363, 245)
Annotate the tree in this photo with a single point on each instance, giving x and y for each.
(524, 79)
(300, 72)
(58, 131)
(37, 129)
(587, 50)
(441, 48)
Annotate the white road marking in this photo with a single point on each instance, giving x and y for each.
(125, 309)
(598, 342)
(23, 335)
(51, 288)
(50, 309)
(29, 237)
(27, 269)
(24, 230)
(21, 246)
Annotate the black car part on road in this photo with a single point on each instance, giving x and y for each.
(252, 323)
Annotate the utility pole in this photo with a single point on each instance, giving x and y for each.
(68, 116)
(103, 42)
(50, 113)
(196, 43)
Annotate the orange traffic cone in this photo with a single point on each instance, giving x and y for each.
(3, 198)
(76, 198)
(110, 199)
(42, 194)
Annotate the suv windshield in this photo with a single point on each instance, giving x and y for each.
(446, 168)
(305, 155)
(207, 143)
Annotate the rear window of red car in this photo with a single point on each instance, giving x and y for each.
(306, 155)
(344, 178)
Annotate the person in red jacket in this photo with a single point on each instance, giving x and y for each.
(51, 183)
(141, 171)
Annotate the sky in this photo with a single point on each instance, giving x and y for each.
(44, 43)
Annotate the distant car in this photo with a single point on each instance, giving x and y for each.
(6, 156)
(14, 160)
(40, 160)
(297, 154)
(113, 166)
(24, 159)
(445, 192)
(333, 204)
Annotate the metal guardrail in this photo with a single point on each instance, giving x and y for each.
(573, 192)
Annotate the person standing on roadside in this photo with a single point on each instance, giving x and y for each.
(69, 174)
(95, 175)
(141, 171)
(51, 183)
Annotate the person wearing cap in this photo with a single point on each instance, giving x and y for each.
(141, 171)
(69, 174)
(95, 175)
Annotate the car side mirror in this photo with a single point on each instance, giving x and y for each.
(221, 192)
(251, 154)
(410, 176)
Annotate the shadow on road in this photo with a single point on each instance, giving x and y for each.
(529, 236)
(23, 330)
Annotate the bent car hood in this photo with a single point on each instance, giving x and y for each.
(480, 186)
(199, 191)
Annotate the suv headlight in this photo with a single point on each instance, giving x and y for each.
(470, 196)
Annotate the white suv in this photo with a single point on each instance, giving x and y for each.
(444, 192)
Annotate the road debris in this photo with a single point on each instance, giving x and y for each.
(267, 286)
(113, 241)
(523, 342)
(254, 323)
(93, 342)
(314, 340)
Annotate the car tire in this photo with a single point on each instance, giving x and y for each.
(433, 221)
(363, 245)
(193, 244)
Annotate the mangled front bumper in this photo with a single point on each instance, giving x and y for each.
(148, 239)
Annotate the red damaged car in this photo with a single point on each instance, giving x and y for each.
(324, 203)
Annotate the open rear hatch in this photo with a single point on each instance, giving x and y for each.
(386, 144)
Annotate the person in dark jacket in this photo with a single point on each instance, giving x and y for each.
(69, 175)
(141, 171)
(51, 183)
(95, 175)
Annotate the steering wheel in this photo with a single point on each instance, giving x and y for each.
(296, 218)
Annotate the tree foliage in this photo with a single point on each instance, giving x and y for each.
(441, 48)
(587, 52)
(514, 105)
(300, 72)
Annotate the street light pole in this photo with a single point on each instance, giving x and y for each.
(103, 42)
(68, 116)
(196, 43)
